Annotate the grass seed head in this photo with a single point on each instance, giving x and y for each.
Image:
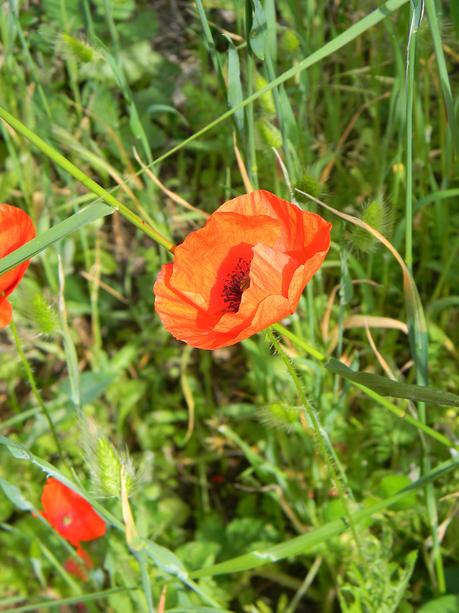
(378, 215)
(108, 464)
(266, 100)
(270, 134)
(279, 415)
(289, 42)
(76, 48)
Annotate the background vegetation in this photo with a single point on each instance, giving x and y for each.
(224, 466)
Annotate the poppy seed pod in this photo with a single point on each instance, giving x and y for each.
(243, 271)
(16, 228)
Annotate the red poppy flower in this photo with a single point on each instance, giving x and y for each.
(70, 514)
(240, 273)
(16, 228)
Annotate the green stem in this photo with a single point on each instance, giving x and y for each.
(33, 385)
(321, 440)
(409, 149)
(421, 373)
(80, 176)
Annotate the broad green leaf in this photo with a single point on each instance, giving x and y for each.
(387, 387)
(72, 16)
(54, 234)
(444, 604)
(196, 610)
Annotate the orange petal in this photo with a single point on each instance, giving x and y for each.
(198, 259)
(6, 313)
(16, 228)
(70, 515)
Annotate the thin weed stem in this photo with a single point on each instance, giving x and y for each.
(321, 440)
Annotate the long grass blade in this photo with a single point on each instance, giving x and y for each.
(306, 542)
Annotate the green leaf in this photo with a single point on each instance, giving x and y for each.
(445, 604)
(15, 496)
(92, 384)
(442, 69)
(387, 387)
(393, 483)
(257, 29)
(165, 559)
(235, 96)
(54, 234)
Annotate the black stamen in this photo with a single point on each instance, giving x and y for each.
(235, 284)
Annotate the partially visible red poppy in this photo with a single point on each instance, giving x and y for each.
(70, 515)
(78, 568)
(240, 273)
(16, 228)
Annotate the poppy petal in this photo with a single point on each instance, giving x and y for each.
(6, 313)
(16, 229)
(194, 273)
(69, 514)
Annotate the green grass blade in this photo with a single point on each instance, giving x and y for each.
(235, 94)
(210, 44)
(396, 389)
(329, 48)
(56, 233)
(442, 70)
(83, 178)
(146, 583)
(319, 536)
(50, 604)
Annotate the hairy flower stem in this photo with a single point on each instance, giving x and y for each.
(33, 385)
(320, 439)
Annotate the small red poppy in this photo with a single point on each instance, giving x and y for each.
(16, 228)
(240, 273)
(70, 514)
(78, 568)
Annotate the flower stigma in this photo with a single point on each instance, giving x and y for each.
(235, 285)
(67, 520)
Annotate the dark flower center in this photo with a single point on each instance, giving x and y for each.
(235, 284)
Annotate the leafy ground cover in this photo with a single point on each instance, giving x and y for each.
(262, 477)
